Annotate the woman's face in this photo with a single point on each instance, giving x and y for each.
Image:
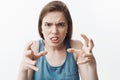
(54, 28)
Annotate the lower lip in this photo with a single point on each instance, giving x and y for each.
(54, 41)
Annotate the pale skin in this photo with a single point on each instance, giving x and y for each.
(55, 28)
(85, 59)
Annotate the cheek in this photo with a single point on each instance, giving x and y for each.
(44, 30)
(65, 30)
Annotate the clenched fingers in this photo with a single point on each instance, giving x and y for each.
(29, 61)
(88, 58)
(29, 46)
(32, 67)
(38, 55)
(86, 40)
(91, 44)
(29, 53)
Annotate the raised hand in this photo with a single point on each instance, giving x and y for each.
(30, 58)
(85, 53)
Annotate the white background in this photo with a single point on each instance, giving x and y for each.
(98, 19)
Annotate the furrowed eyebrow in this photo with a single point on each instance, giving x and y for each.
(62, 23)
(57, 24)
(47, 23)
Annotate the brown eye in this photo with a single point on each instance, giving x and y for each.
(48, 24)
(61, 24)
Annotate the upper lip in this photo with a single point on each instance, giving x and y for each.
(54, 37)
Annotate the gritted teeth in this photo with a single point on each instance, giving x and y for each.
(54, 38)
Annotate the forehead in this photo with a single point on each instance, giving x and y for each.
(55, 16)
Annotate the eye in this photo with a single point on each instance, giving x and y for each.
(48, 24)
(61, 24)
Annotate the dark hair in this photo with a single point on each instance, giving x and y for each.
(56, 6)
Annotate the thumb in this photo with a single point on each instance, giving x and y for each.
(72, 50)
(75, 51)
(38, 55)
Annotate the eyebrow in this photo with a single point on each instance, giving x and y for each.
(55, 23)
(60, 22)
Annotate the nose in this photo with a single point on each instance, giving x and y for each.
(54, 30)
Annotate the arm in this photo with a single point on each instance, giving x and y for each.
(22, 75)
(88, 71)
(85, 59)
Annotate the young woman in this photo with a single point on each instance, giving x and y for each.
(56, 56)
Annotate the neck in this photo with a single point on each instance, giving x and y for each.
(54, 49)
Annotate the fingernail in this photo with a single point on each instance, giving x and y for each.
(37, 69)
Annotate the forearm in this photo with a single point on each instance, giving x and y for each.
(88, 72)
(22, 75)
(92, 73)
(30, 74)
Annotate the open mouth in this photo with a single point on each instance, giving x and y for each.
(54, 39)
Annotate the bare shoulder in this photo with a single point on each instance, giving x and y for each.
(77, 44)
(35, 45)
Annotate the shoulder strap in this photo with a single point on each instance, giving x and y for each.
(67, 43)
(41, 45)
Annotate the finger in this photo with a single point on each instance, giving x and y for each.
(87, 55)
(91, 44)
(40, 54)
(29, 46)
(86, 40)
(32, 67)
(29, 61)
(72, 50)
(86, 60)
(28, 53)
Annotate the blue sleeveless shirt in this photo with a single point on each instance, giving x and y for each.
(67, 71)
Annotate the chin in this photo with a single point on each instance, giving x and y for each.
(54, 44)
